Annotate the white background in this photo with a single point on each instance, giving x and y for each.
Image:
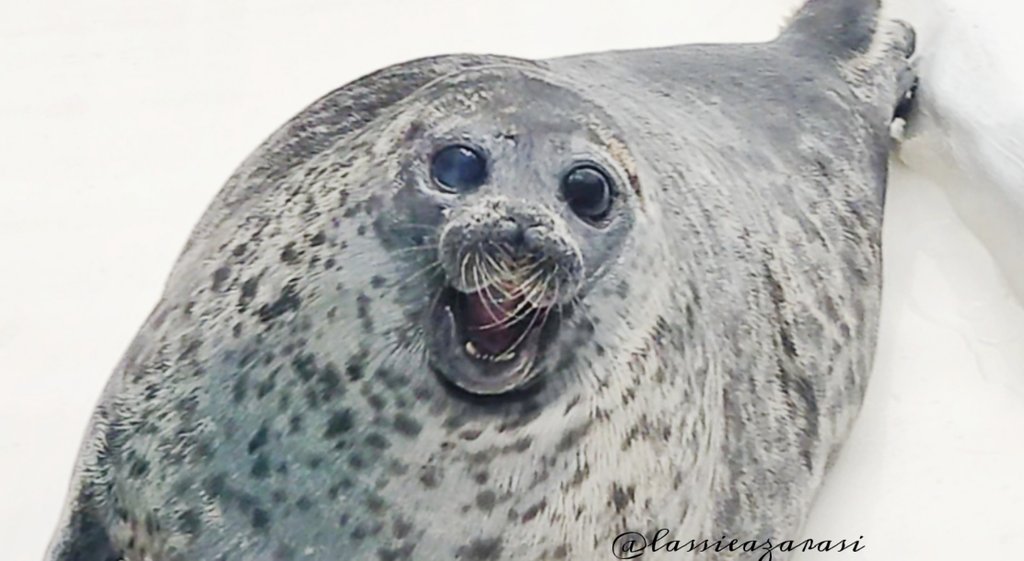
(120, 119)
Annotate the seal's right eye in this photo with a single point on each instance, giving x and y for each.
(458, 168)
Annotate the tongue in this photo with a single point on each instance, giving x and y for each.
(489, 322)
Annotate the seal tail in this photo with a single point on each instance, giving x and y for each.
(842, 28)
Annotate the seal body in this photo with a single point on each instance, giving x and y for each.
(679, 253)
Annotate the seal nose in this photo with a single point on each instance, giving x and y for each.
(522, 232)
(523, 227)
(516, 236)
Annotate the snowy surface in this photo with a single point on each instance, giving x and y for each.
(119, 121)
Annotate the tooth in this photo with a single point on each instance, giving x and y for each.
(506, 357)
(474, 352)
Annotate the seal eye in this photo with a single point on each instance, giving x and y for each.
(588, 192)
(458, 168)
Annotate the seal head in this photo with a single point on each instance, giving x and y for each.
(517, 189)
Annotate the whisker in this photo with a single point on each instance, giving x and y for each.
(462, 270)
(488, 298)
(504, 270)
(523, 309)
(539, 271)
(494, 273)
(421, 247)
(526, 331)
(420, 225)
(413, 276)
(436, 298)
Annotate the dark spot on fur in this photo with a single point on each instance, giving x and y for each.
(261, 467)
(376, 402)
(152, 523)
(480, 550)
(622, 289)
(265, 387)
(622, 496)
(414, 131)
(430, 477)
(407, 425)
(260, 518)
(534, 510)
(215, 485)
(220, 276)
(396, 554)
(400, 528)
(485, 500)
(356, 366)
(139, 468)
(805, 391)
(339, 423)
(189, 522)
(377, 441)
(363, 312)
(520, 445)
(289, 254)
(258, 440)
(318, 239)
(391, 380)
(377, 281)
(248, 292)
(356, 461)
(304, 366)
(288, 301)
(376, 504)
(330, 381)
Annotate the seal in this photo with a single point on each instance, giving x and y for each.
(484, 308)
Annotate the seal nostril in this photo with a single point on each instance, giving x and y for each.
(533, 237)
(509, 230)
(518, 236)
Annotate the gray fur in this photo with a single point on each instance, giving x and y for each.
(279, 403)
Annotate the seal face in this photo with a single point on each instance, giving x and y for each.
(522, 201)
(483, 308)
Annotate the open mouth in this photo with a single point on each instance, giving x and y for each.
(487, 342)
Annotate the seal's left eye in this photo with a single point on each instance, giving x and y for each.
(588, 192)
(458, 168)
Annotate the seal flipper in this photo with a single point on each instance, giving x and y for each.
(842, 28)
(82, 537)
(82, 534)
